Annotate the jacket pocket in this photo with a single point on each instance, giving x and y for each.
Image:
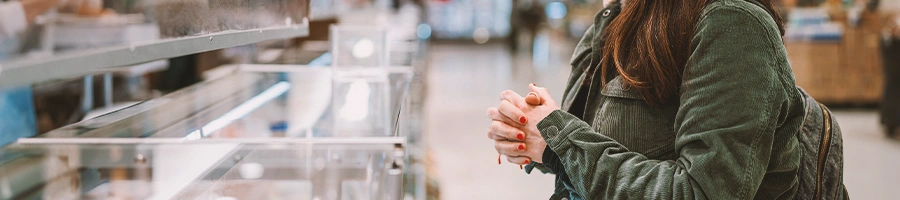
(623, 115)
(617, 88)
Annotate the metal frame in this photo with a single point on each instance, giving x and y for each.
(34, 70)
(180, 115)
(324, 140)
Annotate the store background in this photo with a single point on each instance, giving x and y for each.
(464, 53)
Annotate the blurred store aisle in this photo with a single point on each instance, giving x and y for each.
(871, 164)
(465, 79)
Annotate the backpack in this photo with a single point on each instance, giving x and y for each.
(821, 173)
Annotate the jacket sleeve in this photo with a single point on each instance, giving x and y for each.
(582, 51)
(12, 19)
(728, 107)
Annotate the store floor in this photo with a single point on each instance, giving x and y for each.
(465, 79)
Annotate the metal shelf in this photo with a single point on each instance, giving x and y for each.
(40, 69)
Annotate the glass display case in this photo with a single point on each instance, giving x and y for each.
(252, 132)
(255, 101)
(248, 131)
(302, 170)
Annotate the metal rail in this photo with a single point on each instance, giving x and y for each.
(34, 70)
(324, 140)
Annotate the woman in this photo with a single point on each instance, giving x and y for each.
(677, 100)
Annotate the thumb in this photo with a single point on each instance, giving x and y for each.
(542, 93)
(533, 99)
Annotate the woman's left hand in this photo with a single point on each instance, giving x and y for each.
(514, 127)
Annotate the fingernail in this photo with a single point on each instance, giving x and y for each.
(520, 166)
(523, 120)
(520, 136)
(498, 159)
(527, 162)
(521, 147)
(535, 85)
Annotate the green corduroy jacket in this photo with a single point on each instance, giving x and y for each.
(731, 134)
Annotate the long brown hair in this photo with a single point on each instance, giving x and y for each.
(648, 44)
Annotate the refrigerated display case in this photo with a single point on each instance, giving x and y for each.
(301, 169)
(275, 117)
(248, 131)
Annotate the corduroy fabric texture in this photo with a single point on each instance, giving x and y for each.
(732, 134)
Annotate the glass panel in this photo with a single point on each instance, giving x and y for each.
(360, 102)
(200, 171)
(129, 32)
(359, 47)
(263, 101)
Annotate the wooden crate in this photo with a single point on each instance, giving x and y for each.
(845, 72)
(815, 67)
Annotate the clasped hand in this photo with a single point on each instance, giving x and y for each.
(514, 124)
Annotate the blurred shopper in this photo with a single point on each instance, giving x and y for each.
(525, 21)
(890, 105)
(677, 100)
(17, 116)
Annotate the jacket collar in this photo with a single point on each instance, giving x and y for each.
(607, 4)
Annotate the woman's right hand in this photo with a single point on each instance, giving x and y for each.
(514, 134)
(505, 131)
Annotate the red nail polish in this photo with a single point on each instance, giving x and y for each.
(520, 136)
(527, 162)
(520, 166)
(498, 159)
(523, 120)
(521, 147)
